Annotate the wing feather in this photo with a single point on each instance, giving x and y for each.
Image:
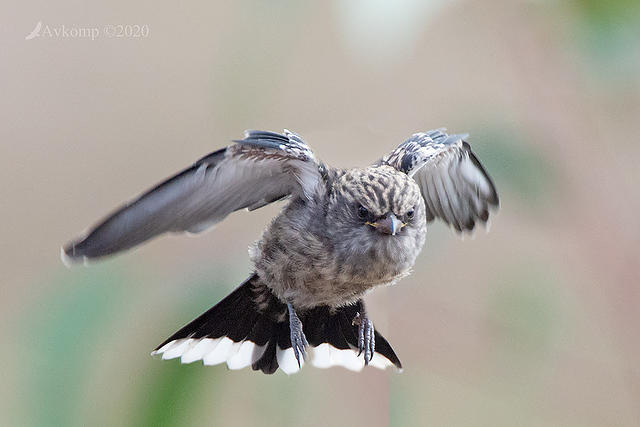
(454, 184)
(261, 168)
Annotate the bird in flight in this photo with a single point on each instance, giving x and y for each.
(342, 233)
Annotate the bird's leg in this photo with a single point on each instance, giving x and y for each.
(366, 335)
(298, 340)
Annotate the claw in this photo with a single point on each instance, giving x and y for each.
(298, 339)
(366, 337)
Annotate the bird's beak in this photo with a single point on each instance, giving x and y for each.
(389, 225)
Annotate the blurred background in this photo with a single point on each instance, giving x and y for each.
(533, 324)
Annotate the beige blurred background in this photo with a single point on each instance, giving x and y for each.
(533, 324)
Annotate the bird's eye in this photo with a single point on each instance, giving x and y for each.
(362, 212)
(411, 213)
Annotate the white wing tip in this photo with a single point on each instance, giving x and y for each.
(70, 261)
(66, 259)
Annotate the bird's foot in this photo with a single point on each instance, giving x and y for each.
(298, 340)
(366, 336)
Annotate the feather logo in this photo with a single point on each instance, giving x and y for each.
(35, 33)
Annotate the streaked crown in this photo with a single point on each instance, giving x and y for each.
(380, 189)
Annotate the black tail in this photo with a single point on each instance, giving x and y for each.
(250, 327)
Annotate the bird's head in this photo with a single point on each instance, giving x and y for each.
(377, 211)
(376, 199)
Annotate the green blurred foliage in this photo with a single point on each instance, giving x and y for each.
(66, 327)
(610, 35)
(609, 14)
(62, 327)
(173, 393)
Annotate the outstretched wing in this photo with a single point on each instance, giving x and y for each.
(455, 186)
(260, 169)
